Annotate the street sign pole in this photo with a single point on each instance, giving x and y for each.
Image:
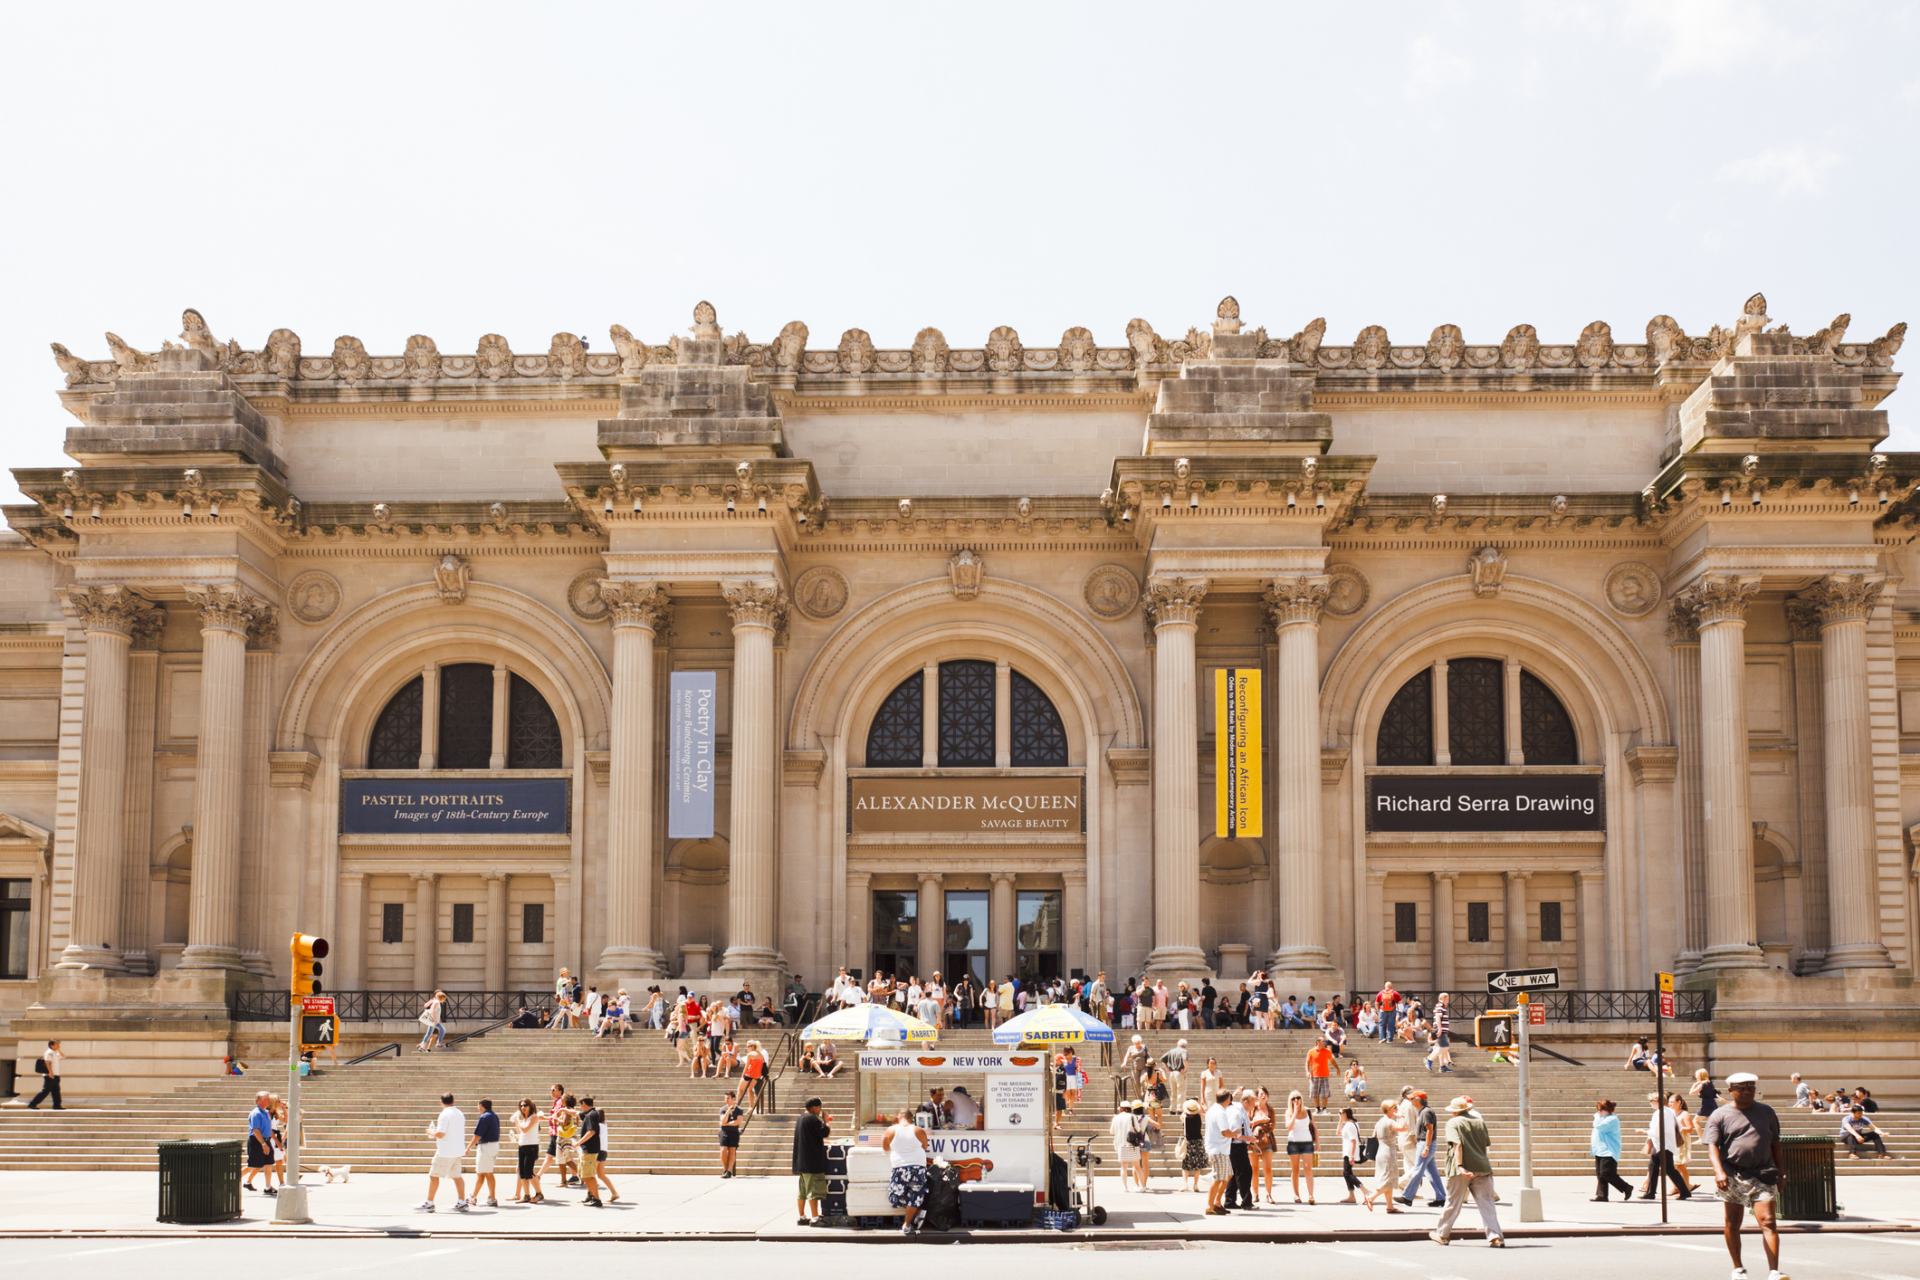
(291, 1204)
(1660, 1092)
(1530, 1207)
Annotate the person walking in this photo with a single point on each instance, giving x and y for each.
(556, 1111)
(1660, 1162)
(1174, 1064)
(606, 1155)
(48, 1067)
(1302, 1137)
(1263, 1139)
(810, 1162)
(433, 1023)
(732, 1116)
(260, 1142)
(1440, 1056)
(1604, 1144)
(1426, 1154)
(753, 1076)
(1689, 1128)
(1350, 1154)
(485, 1146)
(1743, 1137)
(1469, 1173)
(1388, 1132)
(447, 1132)
(591, 1149)
(1406, 1108)
(1705, 1090)
(906, 1146)
(526, 1135)
(1147, 1126)
(1121, 1130)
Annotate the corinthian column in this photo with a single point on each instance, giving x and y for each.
(1853, 905)
(1720, 606)
(757, 613)
(639, 616)
(110, 616)
(1294, 604)
(227, 614)
(1173, 610)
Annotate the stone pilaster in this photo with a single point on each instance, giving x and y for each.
(758, 610)
(496, 931)
(639, 612)
(348, 967)
(1001, 924)
(111, 617)
(227, 615)
(502, 689)
(1173, 608)
(426, 928)
(1073, 921)
(1442, 931)
(1720, 606)
(859, 940)
(1854, 940)
(930, 929)
(1683, 637)
(1589, 923)
(1295, 605)
(1516, 919)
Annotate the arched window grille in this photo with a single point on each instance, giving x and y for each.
(896, 739)
(1546, 730)
(968, 729)
(1406, 730)
(1476, 719)
(396, 734)
(465, 711)
(466, 715)
(533, 734)
(1476, 711)
(1039, 739)
(966, 714)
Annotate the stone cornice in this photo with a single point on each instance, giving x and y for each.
(1235, 486)
(76, 501)
(1533, 513)
(644, 490)
(402, 521)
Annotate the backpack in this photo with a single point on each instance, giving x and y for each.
(1136, 1136)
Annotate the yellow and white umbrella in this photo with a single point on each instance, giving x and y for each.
(870, 1022)
(1053, 1024)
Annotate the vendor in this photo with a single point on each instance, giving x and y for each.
(933, 1112)
(962, 1111)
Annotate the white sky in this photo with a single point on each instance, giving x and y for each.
(386, 169)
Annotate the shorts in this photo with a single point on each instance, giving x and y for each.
(1299, 1148)
(446, 1167)
(529, 1158)
(813, 1186)
(1318, 1086)
(907, 1186)
(729, 1138)
(1746, 1190)
(589, 1163)
(259, 1155)
(1444, 1039)
(1222, 1167)
(484, 1155)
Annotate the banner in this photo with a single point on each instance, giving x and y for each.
(1236, 752)
(690, 782)
(1486, 802)
(458, 805)
(964, 806)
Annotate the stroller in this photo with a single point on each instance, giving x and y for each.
(1080, 1194)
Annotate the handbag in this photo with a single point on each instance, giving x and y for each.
(1369, 1150)
(40, 1066)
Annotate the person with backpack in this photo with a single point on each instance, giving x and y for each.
(47, 1066)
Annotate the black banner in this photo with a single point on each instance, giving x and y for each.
(413, 805)
(1486, 802)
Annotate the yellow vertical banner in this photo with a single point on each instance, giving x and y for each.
(1236, 752)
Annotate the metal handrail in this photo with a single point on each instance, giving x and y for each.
(371, 1054)
(475, 1033)
(1540, 1048)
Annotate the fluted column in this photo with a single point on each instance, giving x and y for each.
(1683, 635)
(1173, 609)
(430, 716)
(227, 613)
(348, 963)
(426, 928)
(1720, 606)
(1073, 921)
(1001, 925)
(758, 610)
(496, 931)
(1442, 931)
(110, 616)
(1853, 895)
(1294, 604)
(930, 931)
(1370, 966)
(1516, 921)
(639, 613)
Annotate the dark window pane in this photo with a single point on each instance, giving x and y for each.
(15, 928)
(1037, 934)
(894, 920)
(1038, 737)
(896, 738)
(393, 922)
(396, 734)
(1546, 731)
(1478, 927)
(466, 715)
(463, 922)
(1405, 928)
(1550, 922)
(966, 714)
(1406, 730)
(533, 735)
(533, 922)
(1476, 711)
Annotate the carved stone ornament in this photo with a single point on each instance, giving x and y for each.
(583, 595)
(1111, 591)
(820, 592)
(1803, 619)
(756, 605)
(966, 568)
(1846, 597)
(1683, 620)
(283, 353)
(450, 578)
(1488, 569)
(1633, 589)
(1595, 346)
(1371, 348)
(350, 362)
(1226, 316)
(1296, 600)
(1445, 347)
(78, 371)
(422, 358)
(1146, 345)
(1174, 601)
(706, 321)
(1077, 350)
(313, 596)
(1003, 350)
(636, 604)
(786, 351)
(855, 354)
(567, 356)
(493, 358)
(1520, 348)
(231, 608)
(633, 353)
(1347, 590)
(116, 609)
(1721, 599)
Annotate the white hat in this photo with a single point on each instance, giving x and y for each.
(1460, 1105)
(1742, 1077)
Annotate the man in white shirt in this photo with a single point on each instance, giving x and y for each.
(1239, 1157)
(1660, 1163)
(1218, 1138)
(449, 1132)
(51, 1089)
(962, 1109)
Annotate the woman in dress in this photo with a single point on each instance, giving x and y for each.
(1193, 1144)
(990, 1004)
(1211, 1082)
(1301, 1137)
(1261, 1141)
(1076, 1076)
(1688, 1126)
(526, 1137)
(1388, 1130)
(1349, 1153)
(433, 1022)
(1705, 1090)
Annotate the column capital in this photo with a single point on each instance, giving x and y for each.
(931, 879)
(1521, 876)
(1583, 876)
(495, 877)
(1803, 618)
(230, 607)
(1174, 601)
(1443, 877)
(1683, 621)
(636, 604)
(348, 878)
(1719, 598)
(1845, 597)
(420, 876)
(755, 604)
(116, 610)
(1297, 600)
(1003, 877)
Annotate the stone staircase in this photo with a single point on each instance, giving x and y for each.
(373, 1116)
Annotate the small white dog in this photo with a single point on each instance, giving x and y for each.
(337, 1172)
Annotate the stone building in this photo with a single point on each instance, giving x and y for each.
(1594, 654)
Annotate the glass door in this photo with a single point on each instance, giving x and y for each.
(967, 935)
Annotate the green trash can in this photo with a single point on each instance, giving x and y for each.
(1808, 1194)
(199, 1182)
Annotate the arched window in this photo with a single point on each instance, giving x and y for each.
(466, 715)
(396, 734)
(1406, 730)
(465, 723)
(1476, 711)
(1546, 730)
(1039, 739)
(968, 725)
(966, 714)
(1476, 719)
(896, 738)
(533, 734)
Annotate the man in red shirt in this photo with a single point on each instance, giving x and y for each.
(1389, 1002)
(1319, 1075)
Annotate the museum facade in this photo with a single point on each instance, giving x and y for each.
(717, 659)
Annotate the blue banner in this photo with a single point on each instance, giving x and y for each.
(691, 703)
(409, 804)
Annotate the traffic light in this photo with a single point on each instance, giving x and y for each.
(308, 951)
(1495, 1031)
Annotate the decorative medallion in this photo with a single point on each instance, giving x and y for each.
(1347, 590)
(1633, 589)
(583, 595)
(1112, 591)
(450, 578)
(313, 596)
(820, 592)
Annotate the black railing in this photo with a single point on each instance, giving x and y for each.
(477, 1032)
(371, 1054)
(404, 1006)
(1568, 1006)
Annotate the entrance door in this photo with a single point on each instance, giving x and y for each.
(895, 931)
(1037, 932)
(966, 938)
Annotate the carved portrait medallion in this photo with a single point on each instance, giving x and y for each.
(1633, 589)
(583, 595)
(1112, 591)
(1347, 590)
(313, 596)
(820, 592)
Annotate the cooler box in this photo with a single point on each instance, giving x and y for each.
(996, 1203)
(868, 1174)
(836, 1159)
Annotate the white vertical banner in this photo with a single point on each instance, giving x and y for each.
(690, 782)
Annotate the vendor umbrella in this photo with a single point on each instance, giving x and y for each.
(871, 1022)
(1053, 1024)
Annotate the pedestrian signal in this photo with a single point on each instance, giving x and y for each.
(1495, 1031)
(308, 951)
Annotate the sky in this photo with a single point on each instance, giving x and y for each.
(458, 169)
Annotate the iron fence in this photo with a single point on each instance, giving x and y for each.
(1569, 1006)
(382, 1006)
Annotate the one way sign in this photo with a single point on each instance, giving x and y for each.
(1501, 981)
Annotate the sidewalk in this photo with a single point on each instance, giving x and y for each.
(121, 1204)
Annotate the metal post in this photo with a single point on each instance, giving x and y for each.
(1530, 1206)
(1660, 1097)
(291, 1204)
